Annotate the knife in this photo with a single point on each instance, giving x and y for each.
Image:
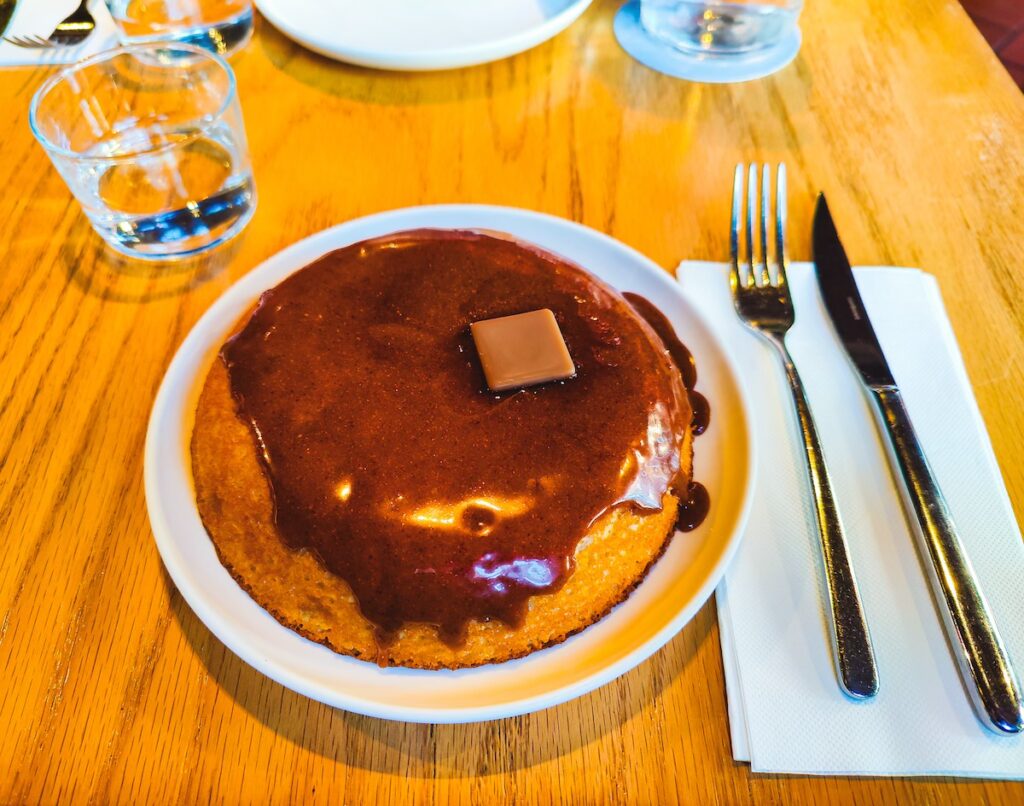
(988, 676)
(6, 12)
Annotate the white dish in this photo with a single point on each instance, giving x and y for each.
(673, 591)
(417, 35)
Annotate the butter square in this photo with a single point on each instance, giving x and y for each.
(522, 350)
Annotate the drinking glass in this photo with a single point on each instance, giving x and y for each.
(222, 26)
(150, 140)
(720, 27)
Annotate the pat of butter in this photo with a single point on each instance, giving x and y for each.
(522, 350)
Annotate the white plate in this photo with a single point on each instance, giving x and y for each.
(420, 34)
(673, 591)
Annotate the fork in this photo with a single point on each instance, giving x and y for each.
(764, 304)
(70, 31)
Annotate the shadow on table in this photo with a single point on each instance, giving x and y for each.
(431, 751)
(101, 272)
(402, 87)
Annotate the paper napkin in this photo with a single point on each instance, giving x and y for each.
(32, 17)
(785, 709)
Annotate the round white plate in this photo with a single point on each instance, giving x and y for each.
(420, 34)
(673, 591)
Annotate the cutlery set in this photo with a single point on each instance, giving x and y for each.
(763, 303)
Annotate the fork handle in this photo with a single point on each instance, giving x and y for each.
(984, 664)
(852, 652)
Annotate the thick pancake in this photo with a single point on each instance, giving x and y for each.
(361, 482)
(234, 500)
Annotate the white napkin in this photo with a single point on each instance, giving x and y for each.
(786, 712)
(39, 17)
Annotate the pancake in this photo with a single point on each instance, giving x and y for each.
(360, 482)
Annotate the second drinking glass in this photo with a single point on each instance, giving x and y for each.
(221, 26)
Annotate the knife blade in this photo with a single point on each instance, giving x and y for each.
(6, 12)
(844, 304)
(984, 665)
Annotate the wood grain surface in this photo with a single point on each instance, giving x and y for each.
(113, 691)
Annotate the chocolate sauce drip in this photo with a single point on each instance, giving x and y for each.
(693, 507)
(695, 504)
(435, 499)
(701, 412)
(681, 357)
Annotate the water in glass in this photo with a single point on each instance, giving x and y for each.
(187, 189)
(222, 26)
(719, 27)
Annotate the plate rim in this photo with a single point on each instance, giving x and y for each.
(429, 58)
(197, 599)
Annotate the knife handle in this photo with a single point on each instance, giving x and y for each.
(852, 653)
(984, 665)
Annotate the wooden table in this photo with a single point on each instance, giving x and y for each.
(114, 691)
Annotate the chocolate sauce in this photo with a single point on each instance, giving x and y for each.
(681, 357)
(693, 507)
(701, 412)
(437, 500)
(695, 504)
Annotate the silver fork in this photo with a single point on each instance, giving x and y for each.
(70, 31)
(766, 307)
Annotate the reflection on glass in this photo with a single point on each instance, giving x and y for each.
(221, 26)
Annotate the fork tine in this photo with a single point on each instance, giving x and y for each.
(751, 212)
(766, 196)
(734, 227)
(780, 222)
(33, 42)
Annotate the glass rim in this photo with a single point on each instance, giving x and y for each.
(107, 55)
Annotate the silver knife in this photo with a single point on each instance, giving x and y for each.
(6, 12)
(984, 665)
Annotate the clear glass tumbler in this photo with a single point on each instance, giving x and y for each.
(150, 140)
(720, 27)
(222, 26)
